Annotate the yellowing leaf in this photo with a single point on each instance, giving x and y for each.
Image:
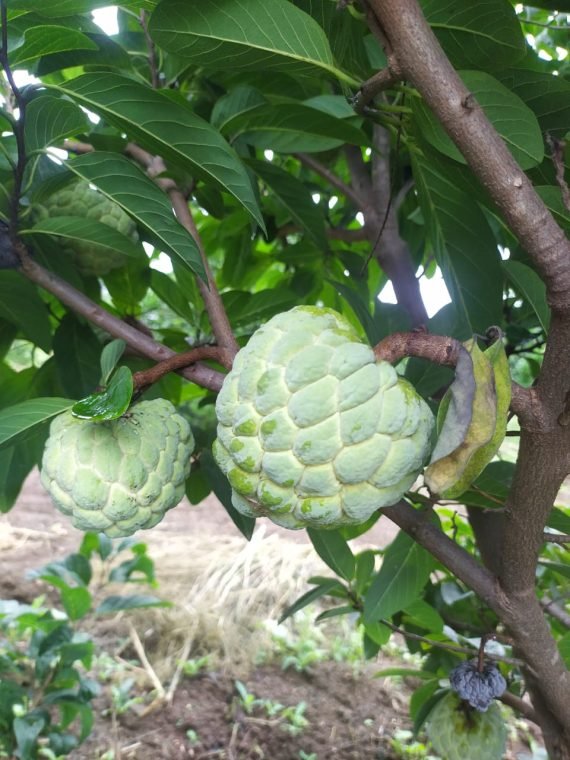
(481, 458)
(446, 473)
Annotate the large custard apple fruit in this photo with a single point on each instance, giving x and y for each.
(122, 475)
(79, 199)
(459, 732)
(313, 431)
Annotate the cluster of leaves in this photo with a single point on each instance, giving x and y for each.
(422, 600)
(45, 688)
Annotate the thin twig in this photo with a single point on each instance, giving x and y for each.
(81, 304)
(555, 611)
(449, 647)
(152, 60)
(146, 377)
(155, 167)
(557, 153)
(518, 704)
(332, 233)
(382, 80)
(149, 670)
(556, 538)
(330, 177)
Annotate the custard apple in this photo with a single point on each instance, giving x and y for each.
(458, 732)
(313, 431)
(121, 475)
(79, 199)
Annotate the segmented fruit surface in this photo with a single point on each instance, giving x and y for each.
(122, 475)
(313, 431)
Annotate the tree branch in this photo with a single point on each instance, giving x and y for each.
(221, 327)
(555, 610)
(146, 377)
(81, 304)
(424, 63)
(417, 525)
(330, 177)
(332, 233)
(556, 538)
(440, 349)
(381, 224)
(382, 80)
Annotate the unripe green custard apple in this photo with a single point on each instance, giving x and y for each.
(78, 199)
(312, 430)
(122, 475)
(460, 733)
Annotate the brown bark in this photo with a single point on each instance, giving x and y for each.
(544, 458)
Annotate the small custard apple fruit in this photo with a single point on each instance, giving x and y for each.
(312, 430)
(459, 732)
(79, 199)
(122, 475)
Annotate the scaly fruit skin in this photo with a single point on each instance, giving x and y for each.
(458, 732)
(313, 431)
(78, 199)
(119, 476)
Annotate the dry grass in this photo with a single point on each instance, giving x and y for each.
(223, 589)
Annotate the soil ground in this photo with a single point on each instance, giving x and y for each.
(351, 716)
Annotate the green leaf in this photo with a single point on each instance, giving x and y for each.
(110, 355)
(347, 609)
(76, 350)
(364, 569)
(27, 730)
(59, 9)
(464, 245)
(422, 613)
(293, 127)
(259, 35)
(564, 648)
(109, 404)
(87, 231)
(169, 292)
(128, 285)
(50, 119)
(322, 589)
(21, 305)
(244, 308)
(76, 602)
(123, 182)
(17, 420)
(528, 284)
(405, 570)
(548, 96)
(556, 567)
(512, 119)
(334, 551)
(223, 491)
(296, 198)
(112, 604)
(480, 34)
(46, 40)
(166, 128)
(16, 462)
(559, 520)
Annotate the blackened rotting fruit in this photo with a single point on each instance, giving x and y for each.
(477, 688)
